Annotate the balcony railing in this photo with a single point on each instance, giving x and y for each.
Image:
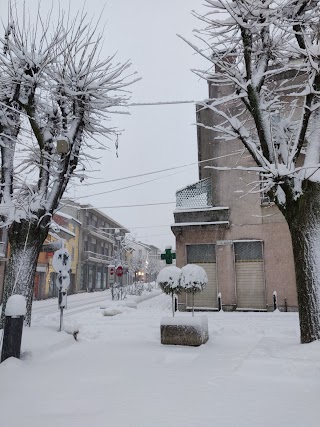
(198, 195)
(100, 234)
(94, 257)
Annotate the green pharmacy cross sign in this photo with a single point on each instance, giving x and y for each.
(168, 256)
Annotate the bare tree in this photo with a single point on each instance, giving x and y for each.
(56, 94)
(153, 266)
(265, 63)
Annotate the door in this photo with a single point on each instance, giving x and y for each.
(204, 255)
(250, 281)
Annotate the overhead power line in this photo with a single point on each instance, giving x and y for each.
(143, 104)
(164, 170)
(127, 186)
(126, 206)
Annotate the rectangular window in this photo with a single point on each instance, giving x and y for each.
(201, 253)
(248, 251)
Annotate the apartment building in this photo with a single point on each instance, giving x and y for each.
(99, 245)
(240, 238)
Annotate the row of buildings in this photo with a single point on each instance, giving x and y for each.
(96, 244)
(239, 237)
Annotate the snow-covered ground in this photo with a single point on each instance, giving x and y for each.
(251, 372)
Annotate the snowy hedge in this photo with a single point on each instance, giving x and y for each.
(169, 281)
(193, 278)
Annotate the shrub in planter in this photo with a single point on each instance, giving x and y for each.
(193, 279)
(169, 281)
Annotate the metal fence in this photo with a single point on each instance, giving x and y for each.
(198, 195)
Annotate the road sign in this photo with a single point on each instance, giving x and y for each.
(63, 280)
(61, 260)
(119, 271)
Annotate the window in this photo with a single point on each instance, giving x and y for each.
(201, 253)
(248, 251)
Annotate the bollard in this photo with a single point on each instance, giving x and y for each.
(285, 305)
(175, 303)
(13, 325)
(275, 305)
(219, 301)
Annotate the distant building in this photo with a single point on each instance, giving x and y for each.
(99, 245)
(143, 261)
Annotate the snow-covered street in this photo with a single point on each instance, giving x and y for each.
(252, 371)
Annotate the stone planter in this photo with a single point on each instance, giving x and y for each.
(178, 330)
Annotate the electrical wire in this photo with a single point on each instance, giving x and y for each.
(127, 186)
(126, 206)
(164, 170)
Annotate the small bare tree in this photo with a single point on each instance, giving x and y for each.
(265, 67)
(55, 98)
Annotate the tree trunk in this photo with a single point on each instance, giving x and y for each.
(25, 240)
(172, 303)
(303, 217)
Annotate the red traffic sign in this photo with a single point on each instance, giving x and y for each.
(119, 271)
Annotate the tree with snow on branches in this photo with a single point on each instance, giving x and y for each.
(266, 56)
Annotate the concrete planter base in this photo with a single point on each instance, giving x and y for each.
(191, 331)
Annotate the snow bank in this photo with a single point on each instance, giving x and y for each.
(112, 308)
(123, 303)
(112, 311)
(16, 306)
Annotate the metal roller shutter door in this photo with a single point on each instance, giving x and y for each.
(208, 298)
(204, 255)
(250, 285)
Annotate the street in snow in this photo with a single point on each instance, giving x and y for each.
(253, 371)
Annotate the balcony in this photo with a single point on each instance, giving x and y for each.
(195, 196)
(100, 234)
(98, 258)
(194, 209)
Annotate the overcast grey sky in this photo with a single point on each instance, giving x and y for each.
(154, 137)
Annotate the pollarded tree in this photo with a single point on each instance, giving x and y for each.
(169, 281)
(193, 280)
(265, 58)
(53, 87)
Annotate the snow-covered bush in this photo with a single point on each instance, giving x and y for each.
(193, 279)
(169, 281)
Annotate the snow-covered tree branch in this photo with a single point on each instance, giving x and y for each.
(56, 94)
(265, 68)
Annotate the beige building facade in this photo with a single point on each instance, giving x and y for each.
(233, 231)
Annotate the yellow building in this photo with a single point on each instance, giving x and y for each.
(66, 233)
